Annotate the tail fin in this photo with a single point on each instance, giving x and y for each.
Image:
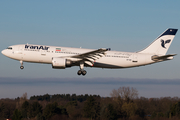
(162, 43)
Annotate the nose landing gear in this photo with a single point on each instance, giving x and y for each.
(21, 67)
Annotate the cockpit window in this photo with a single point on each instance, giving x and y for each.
(10, 48)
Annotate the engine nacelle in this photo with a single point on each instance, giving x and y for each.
(61, 63)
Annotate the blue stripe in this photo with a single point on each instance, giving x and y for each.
(170, 31)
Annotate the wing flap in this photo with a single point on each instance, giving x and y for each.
(99, 52)
(89, 63)
(90, 57)
(96, 54)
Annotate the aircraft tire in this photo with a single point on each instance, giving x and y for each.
(21, 67)
(84, 72)
(79, 72)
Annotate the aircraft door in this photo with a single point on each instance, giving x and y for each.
(43, 52)
(135, 58)
(20, 52)
(42, 57)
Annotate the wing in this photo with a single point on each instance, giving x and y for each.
(90, 57)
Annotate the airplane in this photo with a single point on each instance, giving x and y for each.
(64, 57)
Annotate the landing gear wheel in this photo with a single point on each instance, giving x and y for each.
(79, 72)
(21, 67)
(84, 72)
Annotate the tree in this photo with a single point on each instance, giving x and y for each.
(21, 101)
(7, 108)
(2, 109)
(123, 98)
(125, 93)
(92, 108)
(129, 108)
(73, 109)
(35, 109)
(51, 110)
(25, 109)
(17, 115)
(109, 112)
(175, 110)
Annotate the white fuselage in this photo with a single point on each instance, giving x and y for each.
(63, 57)
(44, 54)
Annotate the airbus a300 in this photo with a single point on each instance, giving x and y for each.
(64, 57)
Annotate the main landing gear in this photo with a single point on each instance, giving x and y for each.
(21, 67)
(81, 71)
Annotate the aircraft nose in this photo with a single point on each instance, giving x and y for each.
(3, 51)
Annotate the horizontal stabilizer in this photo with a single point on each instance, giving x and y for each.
(163, 58)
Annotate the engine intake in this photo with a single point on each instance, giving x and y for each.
(61, 63)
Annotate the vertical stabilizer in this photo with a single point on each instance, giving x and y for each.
(162, 43)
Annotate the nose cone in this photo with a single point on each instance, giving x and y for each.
(3, 52)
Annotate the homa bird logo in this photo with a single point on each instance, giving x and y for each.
(165, 42)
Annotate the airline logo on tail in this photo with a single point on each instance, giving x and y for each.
(165, 42)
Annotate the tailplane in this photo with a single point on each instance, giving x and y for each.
(162, 43)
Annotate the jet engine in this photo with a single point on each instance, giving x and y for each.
(61, 63)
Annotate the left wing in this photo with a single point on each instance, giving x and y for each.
(90, 57)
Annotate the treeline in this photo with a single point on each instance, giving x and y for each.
(62, 97)
(124, 104)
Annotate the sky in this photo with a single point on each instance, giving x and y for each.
(120, 25)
